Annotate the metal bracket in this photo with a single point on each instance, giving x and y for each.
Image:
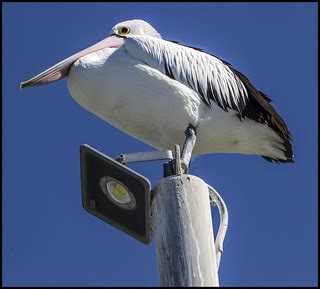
(144, 156)
(215, 199)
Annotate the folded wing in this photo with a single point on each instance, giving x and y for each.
(213, 79)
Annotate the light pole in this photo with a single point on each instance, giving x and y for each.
(177, 210)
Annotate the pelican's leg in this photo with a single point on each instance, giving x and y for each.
(188, 146)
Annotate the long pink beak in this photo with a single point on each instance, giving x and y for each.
(61, 69)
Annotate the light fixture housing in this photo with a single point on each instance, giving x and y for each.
(115, 194)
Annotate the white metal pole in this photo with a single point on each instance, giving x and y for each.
(183, 232)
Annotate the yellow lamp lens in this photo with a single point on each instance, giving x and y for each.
(117, 193)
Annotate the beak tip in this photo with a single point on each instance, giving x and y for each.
(22, 85)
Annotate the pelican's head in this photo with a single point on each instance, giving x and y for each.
(116, 39)
(134, 27)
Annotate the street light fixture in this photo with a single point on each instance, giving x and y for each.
(115, 194)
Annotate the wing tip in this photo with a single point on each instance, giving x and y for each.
(288, 154)
(279, 161)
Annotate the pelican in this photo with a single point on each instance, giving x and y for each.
(165, 93)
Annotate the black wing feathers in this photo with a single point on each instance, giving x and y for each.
(258, 106)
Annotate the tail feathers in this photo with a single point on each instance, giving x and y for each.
(288, 153)
(271, 160)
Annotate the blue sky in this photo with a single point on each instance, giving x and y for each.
(49, 239)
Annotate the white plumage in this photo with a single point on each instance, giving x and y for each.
(153, 89)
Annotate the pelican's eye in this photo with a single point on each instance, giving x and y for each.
(124, 30)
